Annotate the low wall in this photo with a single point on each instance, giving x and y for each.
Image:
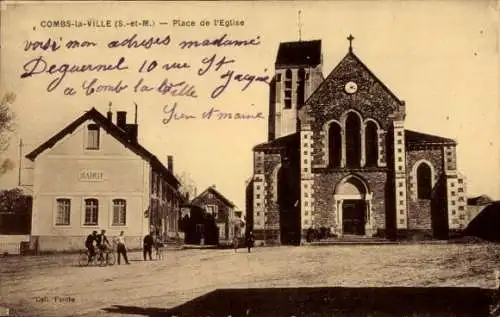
(11, 244)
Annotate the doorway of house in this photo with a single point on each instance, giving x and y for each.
(354, 216)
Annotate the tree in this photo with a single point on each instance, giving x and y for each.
(7, 120)
(7, 123)
(188, 186)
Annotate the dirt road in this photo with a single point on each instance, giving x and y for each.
(55, 286)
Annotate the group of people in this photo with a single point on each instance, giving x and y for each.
(101, 242)
(103, 245)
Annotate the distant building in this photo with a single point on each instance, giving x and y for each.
(94, 175)
(221, 208)
(338, 157)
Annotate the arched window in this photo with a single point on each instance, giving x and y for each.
(353, 140)
(334, 145)
(288, 89)
(301, 87)
(424, 181)
(371, 144)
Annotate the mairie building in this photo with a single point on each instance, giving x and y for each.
(93, 175)
(339, 158)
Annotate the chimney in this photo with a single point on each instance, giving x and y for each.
(131, 130)
(170, 163)
(121, 119)
(110, 114)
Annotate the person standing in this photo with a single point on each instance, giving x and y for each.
(121, 249)
(250, 241)
(148, 246)
(235, 242)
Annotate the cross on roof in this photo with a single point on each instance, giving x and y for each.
(350, 38)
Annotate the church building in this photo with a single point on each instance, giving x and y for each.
(338, 157)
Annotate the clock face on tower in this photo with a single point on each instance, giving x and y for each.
(351, 87)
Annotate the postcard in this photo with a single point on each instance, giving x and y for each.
(249, 158)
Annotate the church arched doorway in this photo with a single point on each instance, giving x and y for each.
(353, 202)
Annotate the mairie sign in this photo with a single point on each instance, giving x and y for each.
(91, 176)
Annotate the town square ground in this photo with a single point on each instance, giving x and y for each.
(54, 285)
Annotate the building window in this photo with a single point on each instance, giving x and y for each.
(461, 208)
(400, 133)
(93, 137)
(452, 184)
(452, 193)
(305, 152)
(258, 187)
(257, 196)
(371, 144)
(401, 202)
(305, 169)
(63, 212)
(222, 231)
(278, 77)
(460, 181)
(212, 209)
(288, 89)
(305, 161)
(461, 198)
(400, 193)
(400, 159)
(453, 203)
(424, 181)
(91, 212)
(353, 140)
(305, 136)
(119, 212)
(460, 190)
(453, 212)
(306, 203)
(400, 184)
(301, 74)
(257, 204)
(400, 150)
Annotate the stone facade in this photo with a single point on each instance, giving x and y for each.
(216, 204)
(349, 164)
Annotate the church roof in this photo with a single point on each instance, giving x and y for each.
(307, 53)
(118, 133)
(283, 142)
(416, 138)
(354, 65)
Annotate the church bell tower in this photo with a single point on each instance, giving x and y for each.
(298, 71)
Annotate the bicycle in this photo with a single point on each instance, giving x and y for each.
(101, 258)
(84, 256)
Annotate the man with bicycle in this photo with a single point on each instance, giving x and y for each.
(89, 244)
(102, 242)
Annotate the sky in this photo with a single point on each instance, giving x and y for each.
(440, 57)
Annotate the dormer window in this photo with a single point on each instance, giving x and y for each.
(93, 139)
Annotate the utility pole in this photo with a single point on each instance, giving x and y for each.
(20, 161)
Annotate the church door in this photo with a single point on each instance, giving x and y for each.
(353, 213)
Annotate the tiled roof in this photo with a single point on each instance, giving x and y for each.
(417, 138)
(283, 142)
(214, 191)
(307, 53)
